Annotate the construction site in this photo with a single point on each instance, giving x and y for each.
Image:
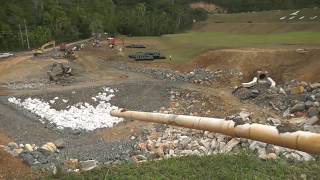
(215, 90)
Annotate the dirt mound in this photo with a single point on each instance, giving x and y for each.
(283, 64)
(211, 8)
(10, 167)
(264, 22)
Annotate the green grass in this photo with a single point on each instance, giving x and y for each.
(242, 166)
(185, 47)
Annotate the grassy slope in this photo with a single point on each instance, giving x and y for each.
(243, 166)
(185, 47)
(266, 31)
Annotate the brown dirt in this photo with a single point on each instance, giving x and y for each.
(10, 167)
(283, 64)
(123, 131)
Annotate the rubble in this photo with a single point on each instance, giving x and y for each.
(200, 76)
(175, 142)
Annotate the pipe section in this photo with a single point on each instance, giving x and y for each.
(300, 140)
(273, 83)
(251, 83)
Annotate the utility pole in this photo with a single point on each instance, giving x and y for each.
(26, 28)
(21, 35)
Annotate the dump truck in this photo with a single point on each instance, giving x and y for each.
(300, 140)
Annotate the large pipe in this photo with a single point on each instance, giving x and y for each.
(251, 83)
(300, 140)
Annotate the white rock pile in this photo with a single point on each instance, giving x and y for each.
(82, 116)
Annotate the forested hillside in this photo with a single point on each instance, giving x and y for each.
(69, 20)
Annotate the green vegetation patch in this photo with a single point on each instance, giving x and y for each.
(242, 166)
(185, 47)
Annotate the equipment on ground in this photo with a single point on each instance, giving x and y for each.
(300, 140)
(70, 54)
(146, 56)
(138, 46)
(5, 55)
(54, 73)
(111, 42)
(41, 51)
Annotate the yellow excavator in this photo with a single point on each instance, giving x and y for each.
(41, 51)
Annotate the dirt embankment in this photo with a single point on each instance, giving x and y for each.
(209, 7)
(8, 163)
(283, 64)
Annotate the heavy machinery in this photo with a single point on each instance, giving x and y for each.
(299, 140)
(55, 73)
(70, 54)
(146, 56)
(41, 50)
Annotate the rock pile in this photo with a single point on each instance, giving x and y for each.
(197, 76)
(189, 102)
(295, 99)
(176, 142)
(47, 158)
(43, 159)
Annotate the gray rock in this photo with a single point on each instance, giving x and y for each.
(313, 111)
(186, 152)
(299, 107)
(305, 156)
(309, 104)
(274, 121)
(27, 157)
(59, 143)
(13, 145)
(231, 144)
(88, 165)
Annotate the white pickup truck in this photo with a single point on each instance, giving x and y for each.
(5, 55)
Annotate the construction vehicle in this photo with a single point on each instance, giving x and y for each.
(300, 140)
(55, 73)
(63, 47)
(70, 54)
(41, 50)
(111, 42)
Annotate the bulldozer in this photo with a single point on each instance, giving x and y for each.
(41, 50)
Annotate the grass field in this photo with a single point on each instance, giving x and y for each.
(184, 47)
(265, 30)
(243, 166)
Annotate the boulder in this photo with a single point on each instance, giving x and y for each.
(59, 143)
(299, 107)
(273, 121)
(72, 164)
(305, 156)
(28, 147)
(313, 111)
(270, 156)
(88, 165)
(13, 145)
(16, 152)
(49, 147)
(231, 144)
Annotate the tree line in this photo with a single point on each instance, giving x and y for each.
(70, 20)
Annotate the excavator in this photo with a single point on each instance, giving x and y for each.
(41, 50)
